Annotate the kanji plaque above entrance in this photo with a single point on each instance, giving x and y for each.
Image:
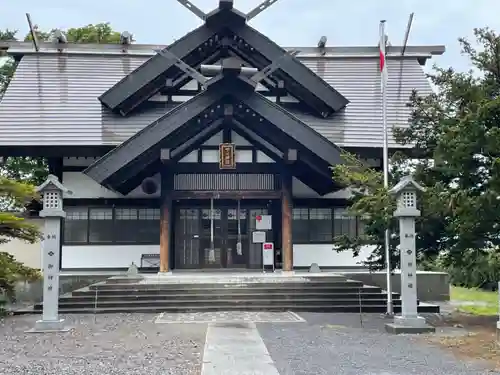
(227, 156)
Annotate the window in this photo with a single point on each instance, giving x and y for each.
(107, 225)
(344, 223)
(101, 225)
(321, 225)
(76, 225)
(320, 222)
(148, 225)
(300, 224)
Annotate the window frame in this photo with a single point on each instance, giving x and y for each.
(115, 231)
(308, 241)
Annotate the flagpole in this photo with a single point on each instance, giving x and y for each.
(385, 161)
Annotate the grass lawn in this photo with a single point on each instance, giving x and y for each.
(475, 301)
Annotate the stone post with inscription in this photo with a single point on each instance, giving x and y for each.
(52, 198)
(406, 197)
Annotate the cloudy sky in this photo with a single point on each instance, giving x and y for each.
(288, 22)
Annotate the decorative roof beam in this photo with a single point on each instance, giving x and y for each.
(150, 77)
(260, 8)
(291, 125)
(150, 137)
(304, 84)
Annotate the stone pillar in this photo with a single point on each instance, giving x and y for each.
(286, 222)
(498, 322)
(166, 222)
(406, 197)
(52, 199)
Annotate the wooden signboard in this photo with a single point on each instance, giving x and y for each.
(227, 156)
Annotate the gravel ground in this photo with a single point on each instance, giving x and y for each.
(129, 344)
(337, 344)
(122, 344)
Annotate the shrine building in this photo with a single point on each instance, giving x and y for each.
(191, 155)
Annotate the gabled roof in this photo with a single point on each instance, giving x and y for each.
(52, 98)
(248, 109)
(225, 29)
(405, 183)
(52, 183)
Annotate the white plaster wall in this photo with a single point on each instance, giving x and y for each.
(26, 253)
(82, 186)
(121, 256)
(325, 256)
(115, 256)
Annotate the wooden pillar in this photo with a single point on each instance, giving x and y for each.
(167, 180)
(286, 222)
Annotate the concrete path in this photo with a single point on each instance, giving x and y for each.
(236, 348)
(223, 343)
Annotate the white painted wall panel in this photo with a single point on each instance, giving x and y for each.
(263, 158)
(83, 186)
(192, 157)
(238, 140)
(243, 156)
(214, 140)
(326, 256)
(119, 256)
(209, 156)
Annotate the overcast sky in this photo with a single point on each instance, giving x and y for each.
(288, 22)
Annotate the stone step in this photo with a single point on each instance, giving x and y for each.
(325, 289)
(221, 295)
(212, 286)
(225, 302)
(381, 308)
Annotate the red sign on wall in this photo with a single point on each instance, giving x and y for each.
(268, 246)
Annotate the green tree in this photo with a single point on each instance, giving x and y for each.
(14, 196)
(456, 141)
(29, 169)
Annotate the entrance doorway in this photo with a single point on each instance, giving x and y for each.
(217, 235)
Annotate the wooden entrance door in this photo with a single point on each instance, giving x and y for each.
(213, 237)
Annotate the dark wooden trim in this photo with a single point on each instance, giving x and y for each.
(166, 228)
(209, 147)
(150, 77)
(155, 202)
(143, 149)
(198, 140)
(283, 120)
(320, 202)
(299, 80)
(276, 212)
(73, 168)
(117, 202)
(138, 155)
(155, 241)
(246, 168)
(115, 235)
(286, 222)
(224, 202)
(226, 138)
(261, 144)
(55, 167)
(174, 90)
(233, 195)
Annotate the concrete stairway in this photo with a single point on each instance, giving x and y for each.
(302, 293)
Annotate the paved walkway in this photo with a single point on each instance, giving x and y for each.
(222, 343)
